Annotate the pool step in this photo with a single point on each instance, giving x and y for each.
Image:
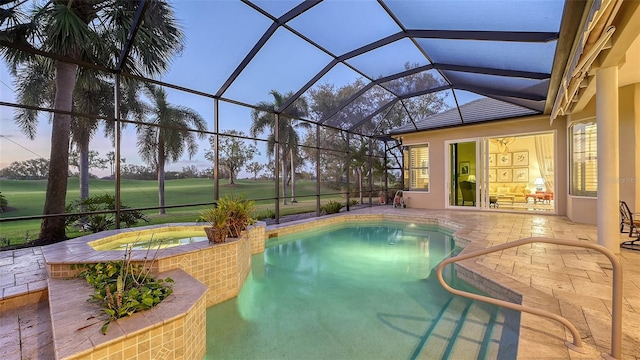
(475, 330)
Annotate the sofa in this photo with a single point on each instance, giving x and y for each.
(508, 191)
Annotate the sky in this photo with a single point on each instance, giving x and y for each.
(218, 35)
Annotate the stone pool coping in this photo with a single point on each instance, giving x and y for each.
(79, 250)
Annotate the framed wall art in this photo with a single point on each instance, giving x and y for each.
(504, 159)
(521, 174)
(464, 168)
(492, 159)
(492, 175)
(505, 175)
(520, 158)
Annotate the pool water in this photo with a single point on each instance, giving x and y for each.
(356, 292)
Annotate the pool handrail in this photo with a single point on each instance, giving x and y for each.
(616, 311)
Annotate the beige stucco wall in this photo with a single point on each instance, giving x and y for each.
(629, 97)
(437, 197)
(581, 209)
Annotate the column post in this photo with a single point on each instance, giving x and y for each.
(607, 119)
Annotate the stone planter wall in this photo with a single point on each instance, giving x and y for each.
(174, 329)
(223, 267)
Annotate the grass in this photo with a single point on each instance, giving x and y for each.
(26, 198)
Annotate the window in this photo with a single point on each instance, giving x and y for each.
(584, 158)
(419, 167)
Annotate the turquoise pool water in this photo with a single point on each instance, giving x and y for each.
(365, 291)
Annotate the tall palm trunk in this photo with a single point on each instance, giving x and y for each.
(293, 179)
(83, 164)
(284, 167)
(160, 171)
(360, 184)
(53, 229)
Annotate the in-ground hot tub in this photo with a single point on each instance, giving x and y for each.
(151, 238)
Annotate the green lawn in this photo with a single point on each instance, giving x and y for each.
(26, 197)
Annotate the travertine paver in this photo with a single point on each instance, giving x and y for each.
(22, 271)
(573, 281)
(26, 333)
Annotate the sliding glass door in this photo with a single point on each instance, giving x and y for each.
(463, 174)
(512, 173)
(520, 172)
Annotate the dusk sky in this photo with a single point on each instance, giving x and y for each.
(218, 36)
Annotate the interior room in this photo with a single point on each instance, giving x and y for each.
(519, 173)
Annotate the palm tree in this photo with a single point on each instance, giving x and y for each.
(360, 164)
(93, 94)
(168, 134)
(93, 31)
(288, 137)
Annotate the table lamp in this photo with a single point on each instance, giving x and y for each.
(471, 178)
(539, 183)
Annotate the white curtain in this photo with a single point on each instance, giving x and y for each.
(544, 154)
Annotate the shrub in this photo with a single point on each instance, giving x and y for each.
(266, 214)
(353, 202)
(332, 207)
(100, 222)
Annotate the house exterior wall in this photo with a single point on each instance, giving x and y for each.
(630, 146)
(584, 209)
(577, 208)
(437, 197)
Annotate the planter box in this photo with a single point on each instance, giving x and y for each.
(174, 329)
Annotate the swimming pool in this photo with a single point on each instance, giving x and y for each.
(359, 291)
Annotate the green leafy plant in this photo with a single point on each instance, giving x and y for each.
(240, 212)
(332, 207)
(233, 213)
(270, 214)
(100, 222)
(123, 288)
(353, 202)
(218, 218)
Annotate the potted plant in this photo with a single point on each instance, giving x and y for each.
(231, 216)
(218, 218)
(240, 213)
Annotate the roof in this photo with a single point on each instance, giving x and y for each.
(480, 110)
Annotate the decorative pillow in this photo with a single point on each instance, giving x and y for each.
(504, 190)
(519, 188)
